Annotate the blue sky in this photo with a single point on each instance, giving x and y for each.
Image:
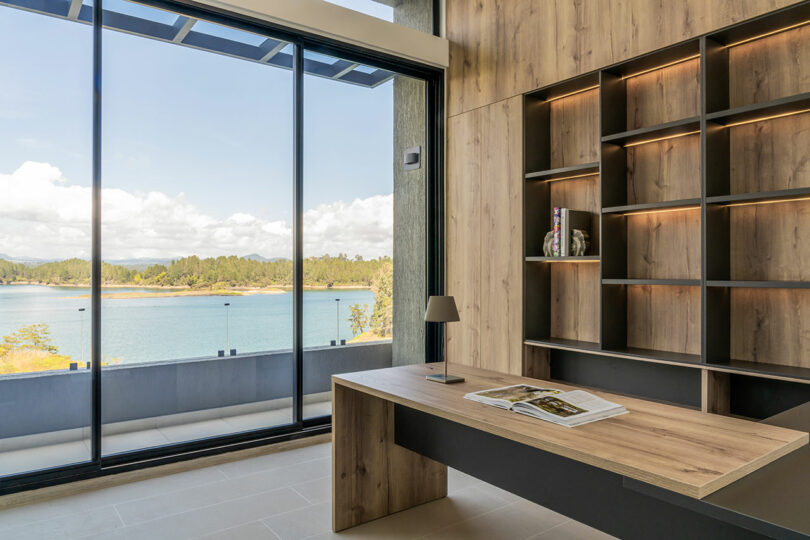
(179, 121)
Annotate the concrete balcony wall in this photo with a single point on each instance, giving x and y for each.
(60, 400)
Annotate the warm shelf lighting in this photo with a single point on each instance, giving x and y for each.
(766, 34)
(647, 141)
(571, 177)
(663, 210)
(771, 201)
(744, 122)
(656, 68)
(575, 92)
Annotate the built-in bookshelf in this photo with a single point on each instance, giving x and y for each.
(694, 162)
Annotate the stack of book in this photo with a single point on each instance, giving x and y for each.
(570, 230)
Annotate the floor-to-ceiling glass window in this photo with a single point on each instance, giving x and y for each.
(196, 231)
(358, 125)
(197, 141)
(45, 244)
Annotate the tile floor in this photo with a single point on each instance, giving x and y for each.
(284, 495)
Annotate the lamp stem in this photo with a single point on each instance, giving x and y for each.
(444, 348)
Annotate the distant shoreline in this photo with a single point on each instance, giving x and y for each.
(167, 291)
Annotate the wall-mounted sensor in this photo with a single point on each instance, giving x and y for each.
(413, 158)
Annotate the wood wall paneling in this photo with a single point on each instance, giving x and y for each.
(664, 245)
(484, 224)
(771, 326)
(664, 95)
(501, 218)
(574, 129)
(770, 155)
(664, 171)
(502, 49)
(770, 241)
(664, 318)
(463, 250)
(769, 68)
(575, 301)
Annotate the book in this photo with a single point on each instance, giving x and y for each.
(571, 220)
(556, 227)
(565, 408)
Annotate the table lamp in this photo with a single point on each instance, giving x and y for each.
(442, 310)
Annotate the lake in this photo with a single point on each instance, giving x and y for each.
(153, 329)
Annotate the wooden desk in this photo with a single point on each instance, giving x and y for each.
(680, 450)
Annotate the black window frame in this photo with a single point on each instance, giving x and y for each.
(100, 465)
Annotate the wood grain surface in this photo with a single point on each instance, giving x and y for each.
(664, 171)
(664, 95)
(664, 318)
(679, 449)
(770, 241)
(664, 245)
(769, 68)
(771, 326)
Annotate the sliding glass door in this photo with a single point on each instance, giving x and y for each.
(202, 220)
(45, 243)
(196, 237)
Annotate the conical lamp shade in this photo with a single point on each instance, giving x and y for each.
(441, 309)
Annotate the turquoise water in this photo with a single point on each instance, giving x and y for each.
(154, 329)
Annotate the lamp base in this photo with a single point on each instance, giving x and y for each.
(444, 379)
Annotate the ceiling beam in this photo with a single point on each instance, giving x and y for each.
(183, 28)
(274, 50)
(74, 9)
(344, 71)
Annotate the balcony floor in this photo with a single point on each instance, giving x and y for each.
(167, 430)
(282, 495)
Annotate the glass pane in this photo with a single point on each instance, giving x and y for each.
(45, 241)
(353, 168)
(416, 14)
(197, 243)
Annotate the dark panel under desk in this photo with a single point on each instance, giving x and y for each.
(774, 499)
(757, 397)
(588, 494)
(673, 384)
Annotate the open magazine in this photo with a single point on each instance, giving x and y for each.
(569, 409)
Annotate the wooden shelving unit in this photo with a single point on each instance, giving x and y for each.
(696, 175)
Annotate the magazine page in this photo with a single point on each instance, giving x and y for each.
(570, 408)
(506, 396)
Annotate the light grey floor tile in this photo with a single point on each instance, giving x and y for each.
(43, 457)
(216, 517)
(276, 460)
(302, 523)
(176, 502)
(457, 480)
(316, 491)
(90, 500)
(259, 420)
(136, 440)
(250, 531)
(196, 430)
(573, 530)
(78, 525)
(424, 519)
(517, 521)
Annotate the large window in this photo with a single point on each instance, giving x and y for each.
(243, 248)
(45, 243)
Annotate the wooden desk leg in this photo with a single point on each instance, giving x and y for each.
(371, 476)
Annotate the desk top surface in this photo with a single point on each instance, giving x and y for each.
(679, 449)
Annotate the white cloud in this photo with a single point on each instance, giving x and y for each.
(43, 216)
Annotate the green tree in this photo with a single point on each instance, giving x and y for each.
(358, 318)
(382, 319)
(30, 337)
